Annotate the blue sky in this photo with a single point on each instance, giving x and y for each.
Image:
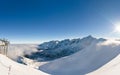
(34, 21)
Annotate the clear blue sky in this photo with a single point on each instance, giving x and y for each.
(30, 21)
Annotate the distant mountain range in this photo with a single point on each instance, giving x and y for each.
(57, 49)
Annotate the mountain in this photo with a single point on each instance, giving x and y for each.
(9, 67)
(90, 56)
(57, 49)
(100, 57)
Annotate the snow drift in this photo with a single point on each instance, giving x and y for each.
(85, 61)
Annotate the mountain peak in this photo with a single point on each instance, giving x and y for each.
(88, 38)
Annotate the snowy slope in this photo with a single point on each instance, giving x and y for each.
(9, 67)
(111, 68)
(85, 61)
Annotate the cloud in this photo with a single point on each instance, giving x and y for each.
(16, 50)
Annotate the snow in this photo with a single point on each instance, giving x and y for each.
(9, 67)
(68, 44)
(87, 60)
(57, 49)
(50, 50)
(30, 62)
(111, 68)
(97, 57)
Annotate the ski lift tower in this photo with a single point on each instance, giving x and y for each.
(4, 46)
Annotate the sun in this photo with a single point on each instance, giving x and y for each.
(117, 28)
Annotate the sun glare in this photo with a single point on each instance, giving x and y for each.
(117, 28)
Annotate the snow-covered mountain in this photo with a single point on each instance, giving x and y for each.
(88, 60)
(90, 56)
(9, 67)
(57, 49)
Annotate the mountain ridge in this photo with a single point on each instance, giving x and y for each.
(57, 49)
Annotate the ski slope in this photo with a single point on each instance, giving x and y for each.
(9, 67)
